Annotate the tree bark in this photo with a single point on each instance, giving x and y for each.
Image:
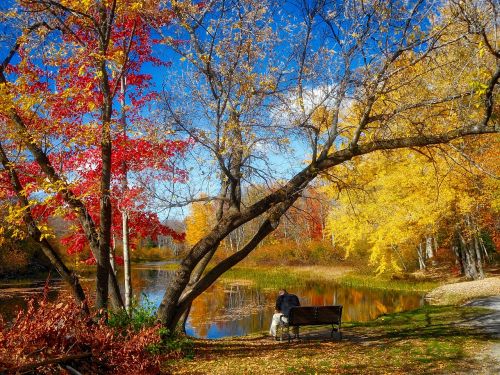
(126, 263)
(103, 259)
(125, 227)
(428, 247)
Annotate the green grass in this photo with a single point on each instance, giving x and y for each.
(264, 277)
(276, 277)
(358, 280)
(170, 266)
(426, 320)
(296, 276)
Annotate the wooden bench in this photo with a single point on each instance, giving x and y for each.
(312, 316)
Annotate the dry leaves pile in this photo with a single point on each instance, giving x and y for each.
(47, 331)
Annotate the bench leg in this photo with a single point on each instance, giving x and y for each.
(336, 330)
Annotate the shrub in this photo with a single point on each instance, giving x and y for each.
(141, 316)
(48, 330)
(182, 345)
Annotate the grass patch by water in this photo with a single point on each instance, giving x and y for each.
(265, 277)
(296, 276)
(272, 278)
(358, 280)
(170, 266)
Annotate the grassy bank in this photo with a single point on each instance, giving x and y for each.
(292, 276)
(363, 280)
(426, 340)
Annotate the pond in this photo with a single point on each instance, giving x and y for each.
(234, 309)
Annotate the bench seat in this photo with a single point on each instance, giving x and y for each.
(312, 316)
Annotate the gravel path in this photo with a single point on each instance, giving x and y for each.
(490, 323)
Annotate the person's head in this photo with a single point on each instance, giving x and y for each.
(282, 291)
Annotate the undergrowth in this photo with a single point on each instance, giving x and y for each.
(48, 331)
(140, 315)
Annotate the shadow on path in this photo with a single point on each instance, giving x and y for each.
(490, 324)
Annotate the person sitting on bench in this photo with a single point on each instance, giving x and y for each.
(284, 303)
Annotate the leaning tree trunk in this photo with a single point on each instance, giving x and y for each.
(202, 265)
(172, 306)
(195, 277)
(179, 296)
(68, 276)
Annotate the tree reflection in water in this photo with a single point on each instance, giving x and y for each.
(233, 310)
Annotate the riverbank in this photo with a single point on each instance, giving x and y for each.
(461, 292)
(431, 339)
(290, 276)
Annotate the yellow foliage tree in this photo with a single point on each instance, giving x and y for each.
(199, 222)
(393, 202)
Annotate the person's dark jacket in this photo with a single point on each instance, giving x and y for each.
(285, 302)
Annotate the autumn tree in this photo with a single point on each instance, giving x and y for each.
(255, 75)
(403, 205)
(12, 184)
(198, 223)
(60, 81)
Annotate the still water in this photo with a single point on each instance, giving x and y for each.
(234, 309)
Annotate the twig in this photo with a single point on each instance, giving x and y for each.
(71, 370)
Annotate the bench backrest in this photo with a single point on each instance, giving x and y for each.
(306, 315)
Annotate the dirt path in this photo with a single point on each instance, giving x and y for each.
(490, 323)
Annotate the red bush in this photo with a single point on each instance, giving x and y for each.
(49, 330)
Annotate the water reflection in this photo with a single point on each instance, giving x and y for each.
(14, 294)
(229, 309)
(232, 310)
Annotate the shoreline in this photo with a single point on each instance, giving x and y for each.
(462, 292)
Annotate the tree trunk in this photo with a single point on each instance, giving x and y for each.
(178, 298)
(126, 263)
(68, 276)
(428, 247)
(472, 263)
(470, 250)
(398, 253)
(171, 307)
(112, 255)
(114, 292)
(125, 228)
(421, 259)
(479, 260)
